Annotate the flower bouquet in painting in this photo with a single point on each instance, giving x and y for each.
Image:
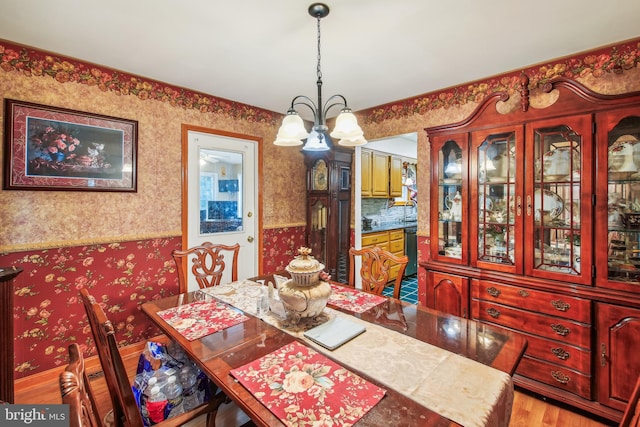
(65, 149)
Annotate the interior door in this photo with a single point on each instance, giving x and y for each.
(221, 196)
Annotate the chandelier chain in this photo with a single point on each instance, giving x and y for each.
(319, 71)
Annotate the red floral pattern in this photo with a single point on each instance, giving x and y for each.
(48, 313)
(32, 62)
(353, 299)
(200, 318)
(303, 388)
(280, 247)
(596, 63)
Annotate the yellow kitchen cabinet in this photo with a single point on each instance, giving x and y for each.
(391, 240)
(395, 176)
(365, 171)
(379, 174)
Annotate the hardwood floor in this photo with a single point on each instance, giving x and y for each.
(528, 411)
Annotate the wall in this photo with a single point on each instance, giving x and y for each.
(119, 244)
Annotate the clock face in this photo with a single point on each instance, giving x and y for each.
(320, 175)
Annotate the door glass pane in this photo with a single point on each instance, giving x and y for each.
(496, 198)
(450, 201)
(623, 201)
(556, 199)
(220, 191)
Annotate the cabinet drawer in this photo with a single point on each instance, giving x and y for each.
(561, 330)
(375, 239)
(562, 378)
(539, 301)
(396, 247)
(559, 353)
(396, 235)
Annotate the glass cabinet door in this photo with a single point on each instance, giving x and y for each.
(558, 197)
(448, 214)
(620, 229)
(499, 201)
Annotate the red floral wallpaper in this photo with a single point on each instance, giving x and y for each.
(280, 245)
(48, 313)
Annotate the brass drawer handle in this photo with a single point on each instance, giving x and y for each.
(523, 293)
(493, 312)
(560, 353)
(560, 377)
(560, 330)
(560, 305)
(493, 292)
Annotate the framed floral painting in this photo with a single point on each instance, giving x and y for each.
(51, 148)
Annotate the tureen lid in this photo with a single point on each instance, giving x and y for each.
(304, 263)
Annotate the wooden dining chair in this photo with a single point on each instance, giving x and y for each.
(125, 410)
(208, 264)
(376, 266)
(75, 392)
(631, 416)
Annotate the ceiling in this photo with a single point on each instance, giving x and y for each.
(263, 53)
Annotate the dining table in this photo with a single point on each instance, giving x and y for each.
(427, 368)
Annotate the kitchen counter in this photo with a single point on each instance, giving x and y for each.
(391, 226)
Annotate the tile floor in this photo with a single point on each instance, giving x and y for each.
(408, 290)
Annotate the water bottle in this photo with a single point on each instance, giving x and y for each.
(155, 403)
(189, 383)
(262, 302)
(173, 393)
(139, 385)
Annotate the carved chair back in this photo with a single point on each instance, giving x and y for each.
(75, 391)
(125, 409)
(631, 417)
(377, 264)
(208, 263)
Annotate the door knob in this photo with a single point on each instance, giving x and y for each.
(250, 239)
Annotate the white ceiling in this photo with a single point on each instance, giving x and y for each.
(263, 52)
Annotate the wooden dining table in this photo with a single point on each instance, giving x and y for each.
(217, 354)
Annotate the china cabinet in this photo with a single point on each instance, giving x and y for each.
(535, 227)
(329, 209)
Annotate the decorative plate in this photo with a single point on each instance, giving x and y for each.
(623, 154)
(557, 163)
(547, 204)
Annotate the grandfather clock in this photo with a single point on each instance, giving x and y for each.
(329, 209)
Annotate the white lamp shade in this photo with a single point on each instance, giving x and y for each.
(292, 130)
(283, 142)
(354, 142)
(347, 126)
(316, 142)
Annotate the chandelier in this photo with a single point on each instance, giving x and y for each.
(346, 130)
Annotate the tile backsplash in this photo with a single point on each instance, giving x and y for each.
(381, 211)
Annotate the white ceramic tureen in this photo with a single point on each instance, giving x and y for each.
(304, 295)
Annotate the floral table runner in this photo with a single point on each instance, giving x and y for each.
(201, 318)
(461, 389)
(303, 387)
(352, 299)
